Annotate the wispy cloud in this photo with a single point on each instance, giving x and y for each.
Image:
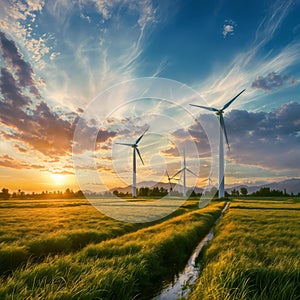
(108, 55)
(248, 65)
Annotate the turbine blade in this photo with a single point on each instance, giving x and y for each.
(205, 107)
(137, 141)
(229, 102)
(224, 129)
(138, 152)
(125, 144)
(168, 175)
(177, 173)
(191, 172)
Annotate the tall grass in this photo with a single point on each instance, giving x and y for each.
(132, 266)
(255, 254)
(39, 228)
(11, 257)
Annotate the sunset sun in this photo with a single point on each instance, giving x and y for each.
(58, 179)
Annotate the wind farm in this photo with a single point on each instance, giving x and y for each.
(149, 150)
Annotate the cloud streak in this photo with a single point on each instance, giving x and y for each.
(9, 162)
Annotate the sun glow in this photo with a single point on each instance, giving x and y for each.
(58, 179)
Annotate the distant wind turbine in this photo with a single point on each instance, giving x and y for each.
(170, 181)
(135, 150)
(184, 169)
(220, 112)
(209, 180)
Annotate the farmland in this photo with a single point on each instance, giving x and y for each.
(66, 249)
(255, 253)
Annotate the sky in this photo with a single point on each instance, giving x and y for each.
(109, 70)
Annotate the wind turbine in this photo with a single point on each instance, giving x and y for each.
(170, 181)
(135, 150)
(209, 180)
(184, 169)
(220, 112)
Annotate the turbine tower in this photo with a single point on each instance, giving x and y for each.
(135, 150)
(184, 169)
(219, 113)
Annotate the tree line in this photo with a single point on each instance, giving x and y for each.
(262, 192)
(68, 193)
(141, 192)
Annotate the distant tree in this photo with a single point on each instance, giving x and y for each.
(154, 192)
(235, 193)
(192, 193)
(79, 194)
(267, 192)
(143, 192)
(107, 194)
(20, 194)
(163, 191)
(68, 193)
(4, 194)
(244, 191)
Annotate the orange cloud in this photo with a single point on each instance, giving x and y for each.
(9, 162)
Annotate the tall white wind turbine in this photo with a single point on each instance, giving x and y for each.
(219, 113)
(135, 150)
(184, 169)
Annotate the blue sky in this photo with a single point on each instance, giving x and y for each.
(57, 56)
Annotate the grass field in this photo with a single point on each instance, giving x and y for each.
(255, 254)
(66, 249)
(38, 228)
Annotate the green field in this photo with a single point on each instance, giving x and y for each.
(255, 253)
(66, 249)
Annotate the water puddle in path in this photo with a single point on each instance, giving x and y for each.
(180, 288)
